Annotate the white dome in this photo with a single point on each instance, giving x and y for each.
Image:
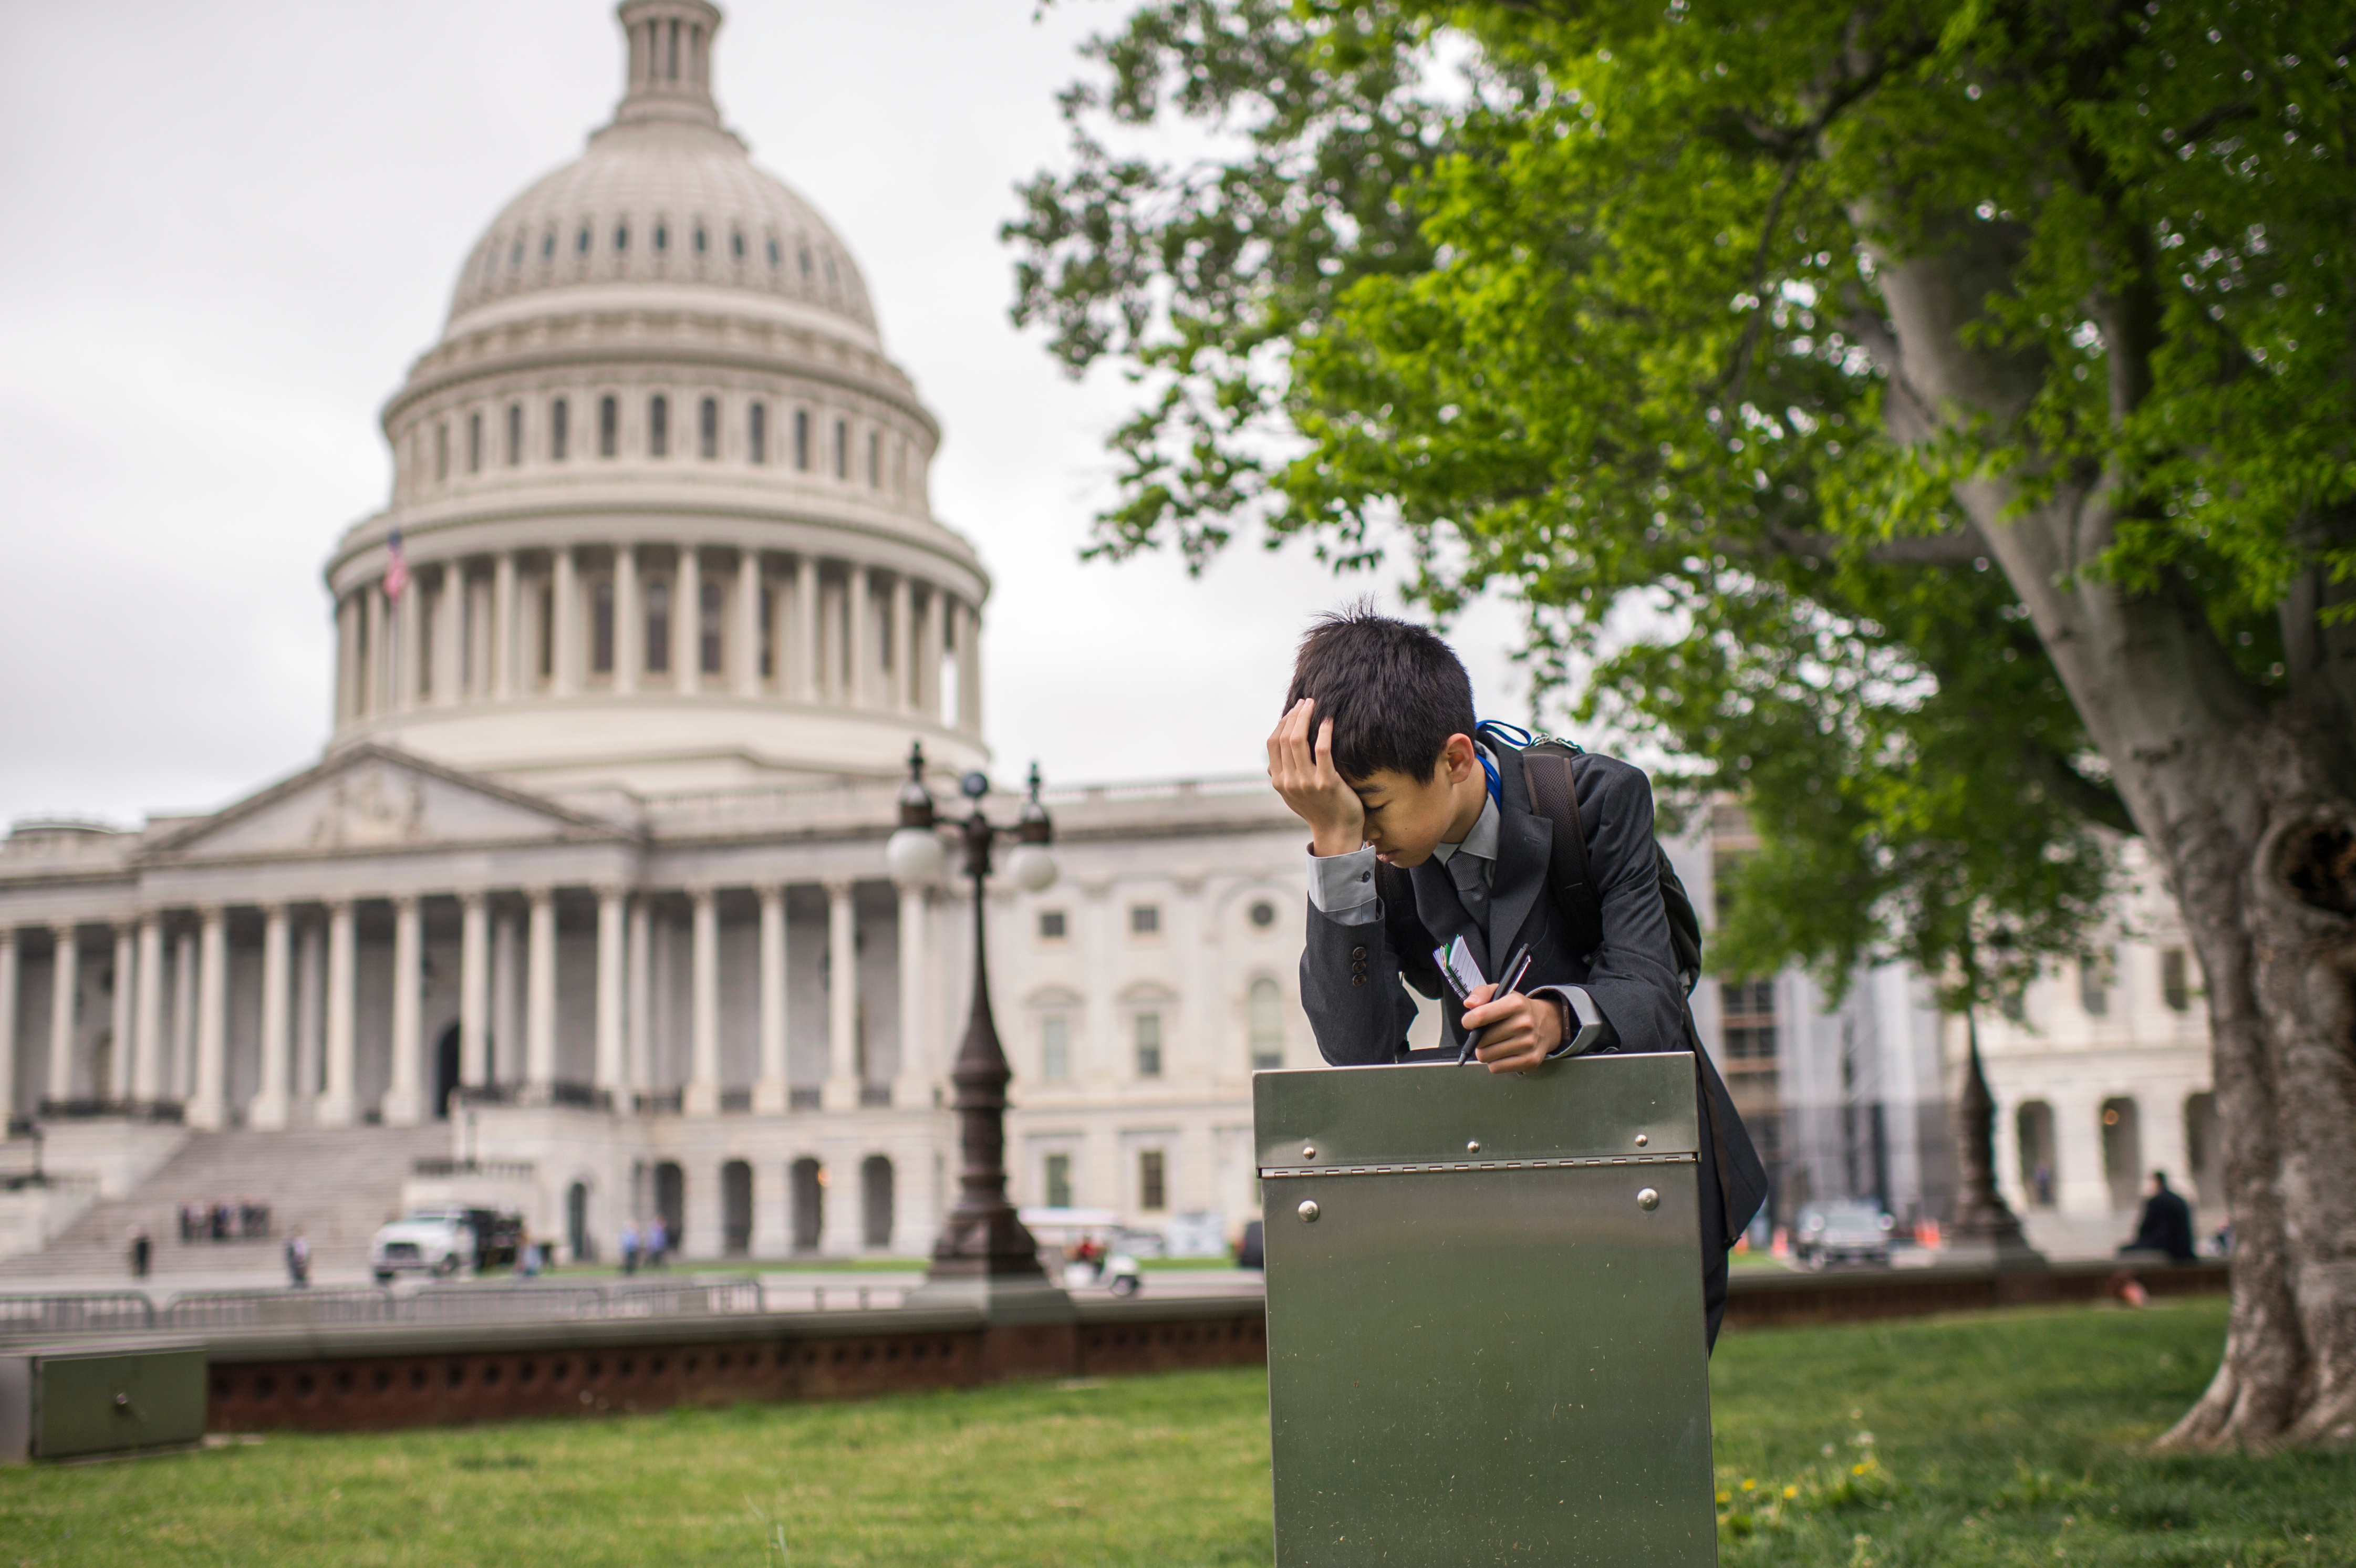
(662, 200)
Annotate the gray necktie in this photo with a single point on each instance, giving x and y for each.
(1471, 874)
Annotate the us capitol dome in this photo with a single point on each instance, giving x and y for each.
(659, 491)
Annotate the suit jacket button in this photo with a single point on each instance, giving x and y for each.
(1359, 978)
(1359, 954)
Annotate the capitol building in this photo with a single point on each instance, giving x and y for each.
(584, 908)
(587, 893)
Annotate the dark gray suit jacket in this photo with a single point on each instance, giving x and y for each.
(1354, 977)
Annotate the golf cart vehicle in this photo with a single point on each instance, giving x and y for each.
(1082, 1247)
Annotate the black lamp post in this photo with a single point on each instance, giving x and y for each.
(983, 1249)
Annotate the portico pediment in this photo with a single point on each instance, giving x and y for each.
(372, 797)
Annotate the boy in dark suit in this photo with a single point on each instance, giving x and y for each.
(1379, 754)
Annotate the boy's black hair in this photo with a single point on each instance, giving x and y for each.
(1394, 690)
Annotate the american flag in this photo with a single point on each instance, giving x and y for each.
(396, 567)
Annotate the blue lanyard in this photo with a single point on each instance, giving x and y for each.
(1502, 734)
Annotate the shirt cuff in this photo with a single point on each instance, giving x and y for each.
(1342, 888)
(1587, 1027)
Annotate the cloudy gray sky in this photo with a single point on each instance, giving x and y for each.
(231, 226)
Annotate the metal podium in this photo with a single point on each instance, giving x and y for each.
(1484, 1315)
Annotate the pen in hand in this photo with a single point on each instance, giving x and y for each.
(1516, 967)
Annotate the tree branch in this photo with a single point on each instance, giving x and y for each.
(1959, 548)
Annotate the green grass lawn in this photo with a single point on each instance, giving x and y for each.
(2005, 1439)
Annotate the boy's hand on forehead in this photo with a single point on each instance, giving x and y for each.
(1300, 766)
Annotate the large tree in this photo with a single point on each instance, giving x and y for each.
(1933, 418)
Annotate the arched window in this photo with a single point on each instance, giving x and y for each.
(1055, 1048)
(773, 253)
(698, 239)
(708, 627)
(757, 432)
(548, 246)
(843, 448)
(2034, 1125)
(662, 237)
(1265, 1016)
(802, 439)
(875, 1201)
(442, 450)
(560, 429)
(609, 425)
(580, 242)
(736, 1208)
(621, 236)
(874, 459)
(736, 245)
(475, 442)
(658, 597)
(768, 632)
(515, 257)
(809, 1204)
(515, 433)
(1146, 1029)
(707, 428)
(658, 426)
(601, 627)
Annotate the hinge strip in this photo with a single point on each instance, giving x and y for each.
(1270, 1173)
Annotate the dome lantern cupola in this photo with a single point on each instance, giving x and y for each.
(671, 61)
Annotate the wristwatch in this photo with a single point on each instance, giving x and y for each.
(1594, 1029)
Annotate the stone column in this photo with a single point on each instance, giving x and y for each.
(686, 620)
(126, 972)
(8, 971)
(404, 1095)
(540, 990)
(506, 1035)
(408, 660)
(371, 676)
(338, 1105)
(505, 645)
(912, 1087)
(310, 1014)
(640, 1044)
(970, 672)
(148, 1053)
(771, 1092)
(612, 1076)
(449, 618)
(184, 1016)
(904, 647)
(564, 617)
(841, 1089)
(629, 619)
(858, 607)
(474, 989)
(810, 626)
(65, 989)
(748, 623)
(347, 703)
(702, 1096)
(928, 658)
(269, 1107)
(208, 1103)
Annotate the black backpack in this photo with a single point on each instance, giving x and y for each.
(1545, 768)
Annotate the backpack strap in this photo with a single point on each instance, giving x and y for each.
(1556, 795)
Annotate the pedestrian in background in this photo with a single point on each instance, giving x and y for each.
(298, 1259)
(629, 1248)
(142, 1249)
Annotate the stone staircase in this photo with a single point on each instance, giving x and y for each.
(337, 1185)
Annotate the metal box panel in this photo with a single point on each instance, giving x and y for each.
(1478, 1359)
(103, 1399)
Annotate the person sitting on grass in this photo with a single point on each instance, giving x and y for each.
(1379, 754)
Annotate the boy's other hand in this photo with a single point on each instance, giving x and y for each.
(1301, 769)
(1518, 1032)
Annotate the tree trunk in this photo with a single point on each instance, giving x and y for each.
(2244, 799)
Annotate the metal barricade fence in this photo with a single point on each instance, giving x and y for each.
(276, 1309)
(129, 1312)
(94, 1312)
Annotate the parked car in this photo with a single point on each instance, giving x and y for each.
(1848, 1232)
(439, 1242)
